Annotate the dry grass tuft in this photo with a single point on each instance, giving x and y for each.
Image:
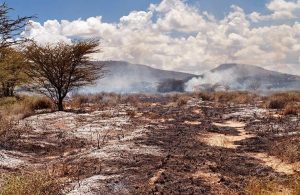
(266, 186)
(36, 183)
(291, 109)
(24, 106)
(237, 97)
(286, 149)
(280, 100)
(181, 101)
(100, 100)
(260, 187)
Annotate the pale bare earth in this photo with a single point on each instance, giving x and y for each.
(229, 141)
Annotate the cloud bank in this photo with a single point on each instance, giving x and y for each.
(174, 35)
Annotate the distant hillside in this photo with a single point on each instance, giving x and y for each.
(126, 77)
(247, 77)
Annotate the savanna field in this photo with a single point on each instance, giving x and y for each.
(197, 143)
(158, 97)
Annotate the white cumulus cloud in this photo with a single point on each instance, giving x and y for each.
(174, 35)
(281, 9)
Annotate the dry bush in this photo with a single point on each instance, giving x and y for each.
(131, 113)
(10, 132)
(24, 106)
(94, 100)
(261, 187)
(266, 186)
(181, 101)
(7, 101)
(287, 149)
(133, 99)
(78, 101)
(37, 183)
(291, 109)
(276, 103)
(280, 100)
(230, 97)
(39, 103)
(205, 96)
(296, 186)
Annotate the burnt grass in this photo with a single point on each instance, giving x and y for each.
(184, 154)
(169, 127)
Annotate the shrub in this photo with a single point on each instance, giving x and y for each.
(37, 183)
(10, 132)
(258, 186)
(286, 149)
(24, 106)
(280, 100)
(181, 101)
(40, 103)
(276, 103)
(7, 101)
(266, 186)
(291, 109)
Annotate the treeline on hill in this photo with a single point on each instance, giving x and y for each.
(52, 69)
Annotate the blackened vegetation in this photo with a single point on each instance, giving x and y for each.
(171, 85)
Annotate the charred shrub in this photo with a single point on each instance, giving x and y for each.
(276, 103)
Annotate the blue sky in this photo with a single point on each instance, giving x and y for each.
(112, 10)
(185, 35)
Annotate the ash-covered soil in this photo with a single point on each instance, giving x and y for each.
(155, 145)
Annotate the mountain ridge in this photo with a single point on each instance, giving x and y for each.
(126, 77)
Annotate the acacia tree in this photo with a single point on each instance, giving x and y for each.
(11, 62)
(10, 28)
(57, 69)
(12, 71)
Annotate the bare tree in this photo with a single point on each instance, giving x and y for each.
(58, 69)
(11, 28)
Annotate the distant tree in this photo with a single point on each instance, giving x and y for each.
(57, 69)
(12, 71)
(11, 28)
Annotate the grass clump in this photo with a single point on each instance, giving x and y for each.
(281, 100)
(24, 106)
(265, 186)
(291, 109)
(37, 183)
(286, 149)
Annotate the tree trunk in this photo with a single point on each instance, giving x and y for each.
(60, 105)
